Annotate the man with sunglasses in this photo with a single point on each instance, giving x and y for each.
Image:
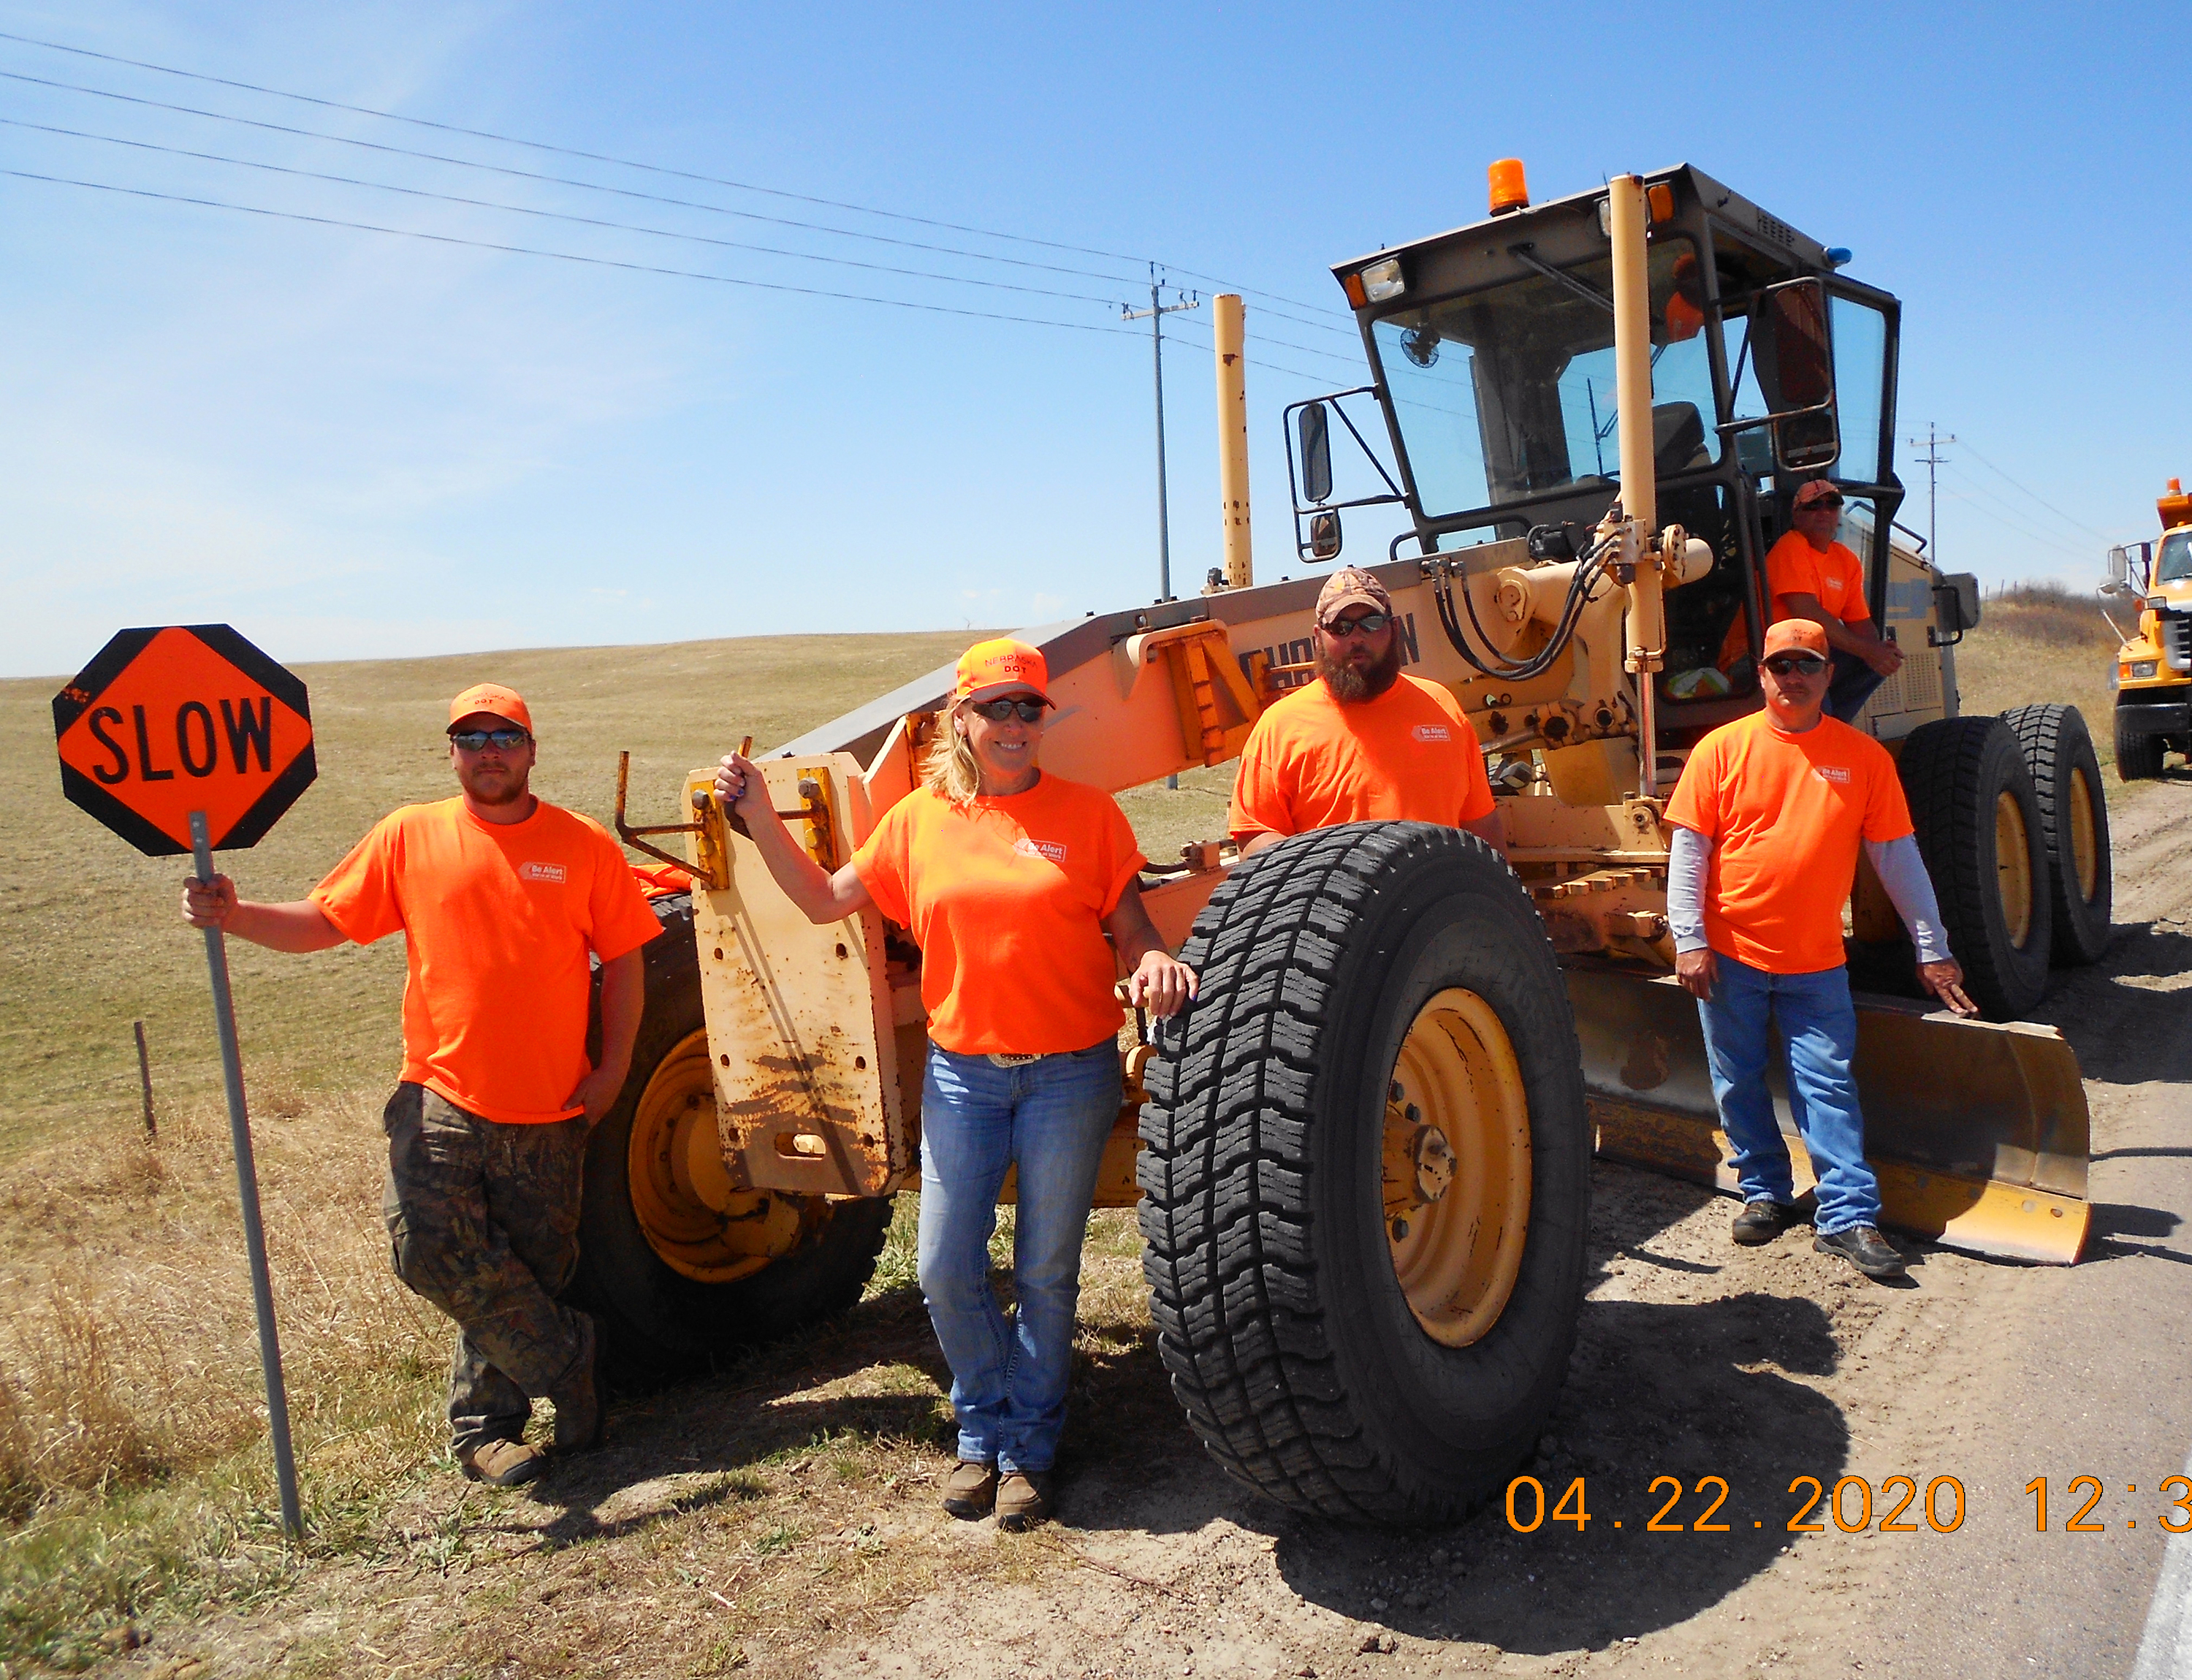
(1767, 819)
(1810, 575)
(500, 897)
(1364, 741)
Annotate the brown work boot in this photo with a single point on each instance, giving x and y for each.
(1024, 1499)
(970, 1488)
(578, 1402)
(502, 1463)
(1866, 1249)
(1763, 1221)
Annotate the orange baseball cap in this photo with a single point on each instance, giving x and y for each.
(1002, 666)
(493, 699)
(1797, 636)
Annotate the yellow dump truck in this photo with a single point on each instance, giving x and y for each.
(1363, 1157)
(2154, 666)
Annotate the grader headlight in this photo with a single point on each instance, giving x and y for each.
(1382, 281)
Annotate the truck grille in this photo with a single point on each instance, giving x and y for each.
(2177, 640)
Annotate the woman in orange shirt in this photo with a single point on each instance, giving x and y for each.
(1018, 888)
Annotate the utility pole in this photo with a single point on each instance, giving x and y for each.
(1155, 315)
(1934, 440)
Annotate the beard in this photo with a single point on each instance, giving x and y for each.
(1352, 683)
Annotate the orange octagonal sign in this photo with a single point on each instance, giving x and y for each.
(188, 719)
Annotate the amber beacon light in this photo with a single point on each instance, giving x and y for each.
(1509, 191)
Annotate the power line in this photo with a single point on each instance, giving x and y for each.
(563, 256)
(1991, 507)
(2078, 524)
(636, 163)
(554, 215)
(553, 180)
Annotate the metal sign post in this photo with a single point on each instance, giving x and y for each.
(247, 1191)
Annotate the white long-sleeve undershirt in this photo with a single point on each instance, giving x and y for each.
(1901, 871)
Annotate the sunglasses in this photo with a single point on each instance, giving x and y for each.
(996, 710)
(1369, 624)
(1818, 502)
(1798, 665)
(477, 741)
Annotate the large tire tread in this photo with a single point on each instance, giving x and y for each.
(2056, 745)
(1244, 1331)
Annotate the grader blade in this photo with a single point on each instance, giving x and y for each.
(1979, 1130)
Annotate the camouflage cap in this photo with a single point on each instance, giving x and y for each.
(1814, 491)
(1351, 587)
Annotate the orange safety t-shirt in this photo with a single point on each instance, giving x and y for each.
(1408, 755)
(1006, 897)
(1785, 814)
(499, 918)
(1836, 579)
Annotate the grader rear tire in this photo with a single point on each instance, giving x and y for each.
(1367, 1179)
(1979, 831)
(2074, 824)
(672, 1283)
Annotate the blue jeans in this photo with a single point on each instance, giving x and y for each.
(1850, 686)
(1818, 1029)
(1050, 1118)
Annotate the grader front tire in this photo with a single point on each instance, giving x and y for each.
(2074, 825)
(676, 1272)
(1367, 1179)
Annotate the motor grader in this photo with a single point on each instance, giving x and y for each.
(1362, 1156)
(2154, 666)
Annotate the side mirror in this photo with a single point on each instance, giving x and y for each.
(1796, 375)
(1324, 538)
(1315, 434)
(2118, 569)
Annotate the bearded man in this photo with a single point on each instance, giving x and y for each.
(1365, 741)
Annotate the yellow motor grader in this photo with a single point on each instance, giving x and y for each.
(1362, 1157)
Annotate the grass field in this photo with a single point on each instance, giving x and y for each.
(132, 1481)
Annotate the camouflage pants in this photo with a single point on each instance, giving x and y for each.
(483, 1221)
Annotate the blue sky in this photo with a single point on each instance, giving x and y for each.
(350, 445)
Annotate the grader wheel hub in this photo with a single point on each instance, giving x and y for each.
(692, 1214)
(1457, 1161)
(2014, 866)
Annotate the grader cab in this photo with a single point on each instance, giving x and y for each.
(1362, 1157)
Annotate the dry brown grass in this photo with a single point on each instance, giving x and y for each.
(2044, 642)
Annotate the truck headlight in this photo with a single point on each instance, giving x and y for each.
(2139, 669)
(1382, 280)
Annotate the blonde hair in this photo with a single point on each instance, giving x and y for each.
(950, 771)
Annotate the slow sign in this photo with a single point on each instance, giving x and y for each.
(188, 738)
(191, 717)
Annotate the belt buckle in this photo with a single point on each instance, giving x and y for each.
(1001, 1059)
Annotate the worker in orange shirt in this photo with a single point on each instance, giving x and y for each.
(1021, 890)
(1365, 741)
(1810, 575)
(1767, 819)
(501, 898)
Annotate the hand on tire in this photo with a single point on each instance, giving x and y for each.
(1161, 985)
(1696, 971)
(1945, 980)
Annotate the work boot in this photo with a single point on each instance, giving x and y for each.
(502, 1463)
(970, 1490)
(578, 1402)
(1024, 1499)
(1864, 1248)
(1763, 1221)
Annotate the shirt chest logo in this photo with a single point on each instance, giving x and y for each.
(1835, 773)
(1054, 850)
(553, 873)
(1432, 732)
